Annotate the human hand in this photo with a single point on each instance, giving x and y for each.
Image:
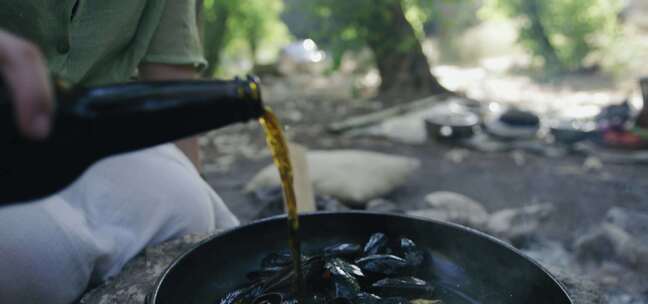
(23, 70)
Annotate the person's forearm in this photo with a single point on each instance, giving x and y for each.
(151, 71)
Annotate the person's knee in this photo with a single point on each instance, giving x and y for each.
(37, 264)
(193, 216)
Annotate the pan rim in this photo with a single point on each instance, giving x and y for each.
(153, 296)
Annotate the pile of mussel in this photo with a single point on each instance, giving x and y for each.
(381, 271)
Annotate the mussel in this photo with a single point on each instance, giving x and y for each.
(381, 272)
(343, 250)
(276, 260)
(425, 301)
(263, 273)
(367, 298)
(410, 287)
(411, 253)
(232, 297)
(385, 264)
(243, 295)
(345, 285)
(269, 298)
(341, 301)
(394, 300)
(339, 266)
(377, 244)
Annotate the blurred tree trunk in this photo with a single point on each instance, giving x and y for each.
(214, 36)
(403, 67)
(200, 23)
(532, 10)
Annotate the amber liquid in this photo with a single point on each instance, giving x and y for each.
(279, 149)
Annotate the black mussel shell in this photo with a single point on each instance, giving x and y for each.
(317, 299)
(269, 298)
(232, 297)
(425, 301)
(276, 260)
(411, 253)
(394, 300)
(367, 298)
(263, 274)
(410, 287)
(386, 264)
(340, 301)
(290, 301)
(339, 266)
(343, 250)
(312, 269)
(345, 285)
(245, 295)
(377, 244)
(280, 281)
(289, 298)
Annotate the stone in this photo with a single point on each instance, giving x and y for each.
(519, 225)
(553, 256)
(622, 237)
(633, 222)
(352, 176)
(383, 205)
(271, 202)
(139, 276)
(600, 243)
(452, 202)
(580, 289)
(453, 207)
(329, 204)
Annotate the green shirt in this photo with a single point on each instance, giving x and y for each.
(103, 41)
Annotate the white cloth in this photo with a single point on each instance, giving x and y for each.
(52, 249)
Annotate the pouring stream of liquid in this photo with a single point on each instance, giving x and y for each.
(280, 154)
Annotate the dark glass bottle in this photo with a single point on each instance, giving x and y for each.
(95, 122)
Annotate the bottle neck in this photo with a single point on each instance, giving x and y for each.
(132, 116)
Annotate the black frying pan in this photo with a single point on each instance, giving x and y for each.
(466, 266)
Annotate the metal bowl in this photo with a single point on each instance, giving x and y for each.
(465, 266)
(451, 125)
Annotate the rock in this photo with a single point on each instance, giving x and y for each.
(455, 203)
(457, 156)
(352, 176)
(621, 237)
(330, 204)
(519, 225)
(580, 289)
(623, 298)
(383, 205)
(599, 243)
(138, 277)
(619, 281)
(553, 256)
(271, 200)
(633, 222)
(453, 207)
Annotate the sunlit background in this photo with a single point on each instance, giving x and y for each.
(378, 76)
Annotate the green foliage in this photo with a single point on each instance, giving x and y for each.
(242, 27)
(351, 25)
(561, 32)
(343, 25)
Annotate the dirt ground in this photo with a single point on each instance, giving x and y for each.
(581, 188)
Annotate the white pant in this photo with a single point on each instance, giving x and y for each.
(52, 249)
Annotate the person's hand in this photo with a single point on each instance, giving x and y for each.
(23, 69)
